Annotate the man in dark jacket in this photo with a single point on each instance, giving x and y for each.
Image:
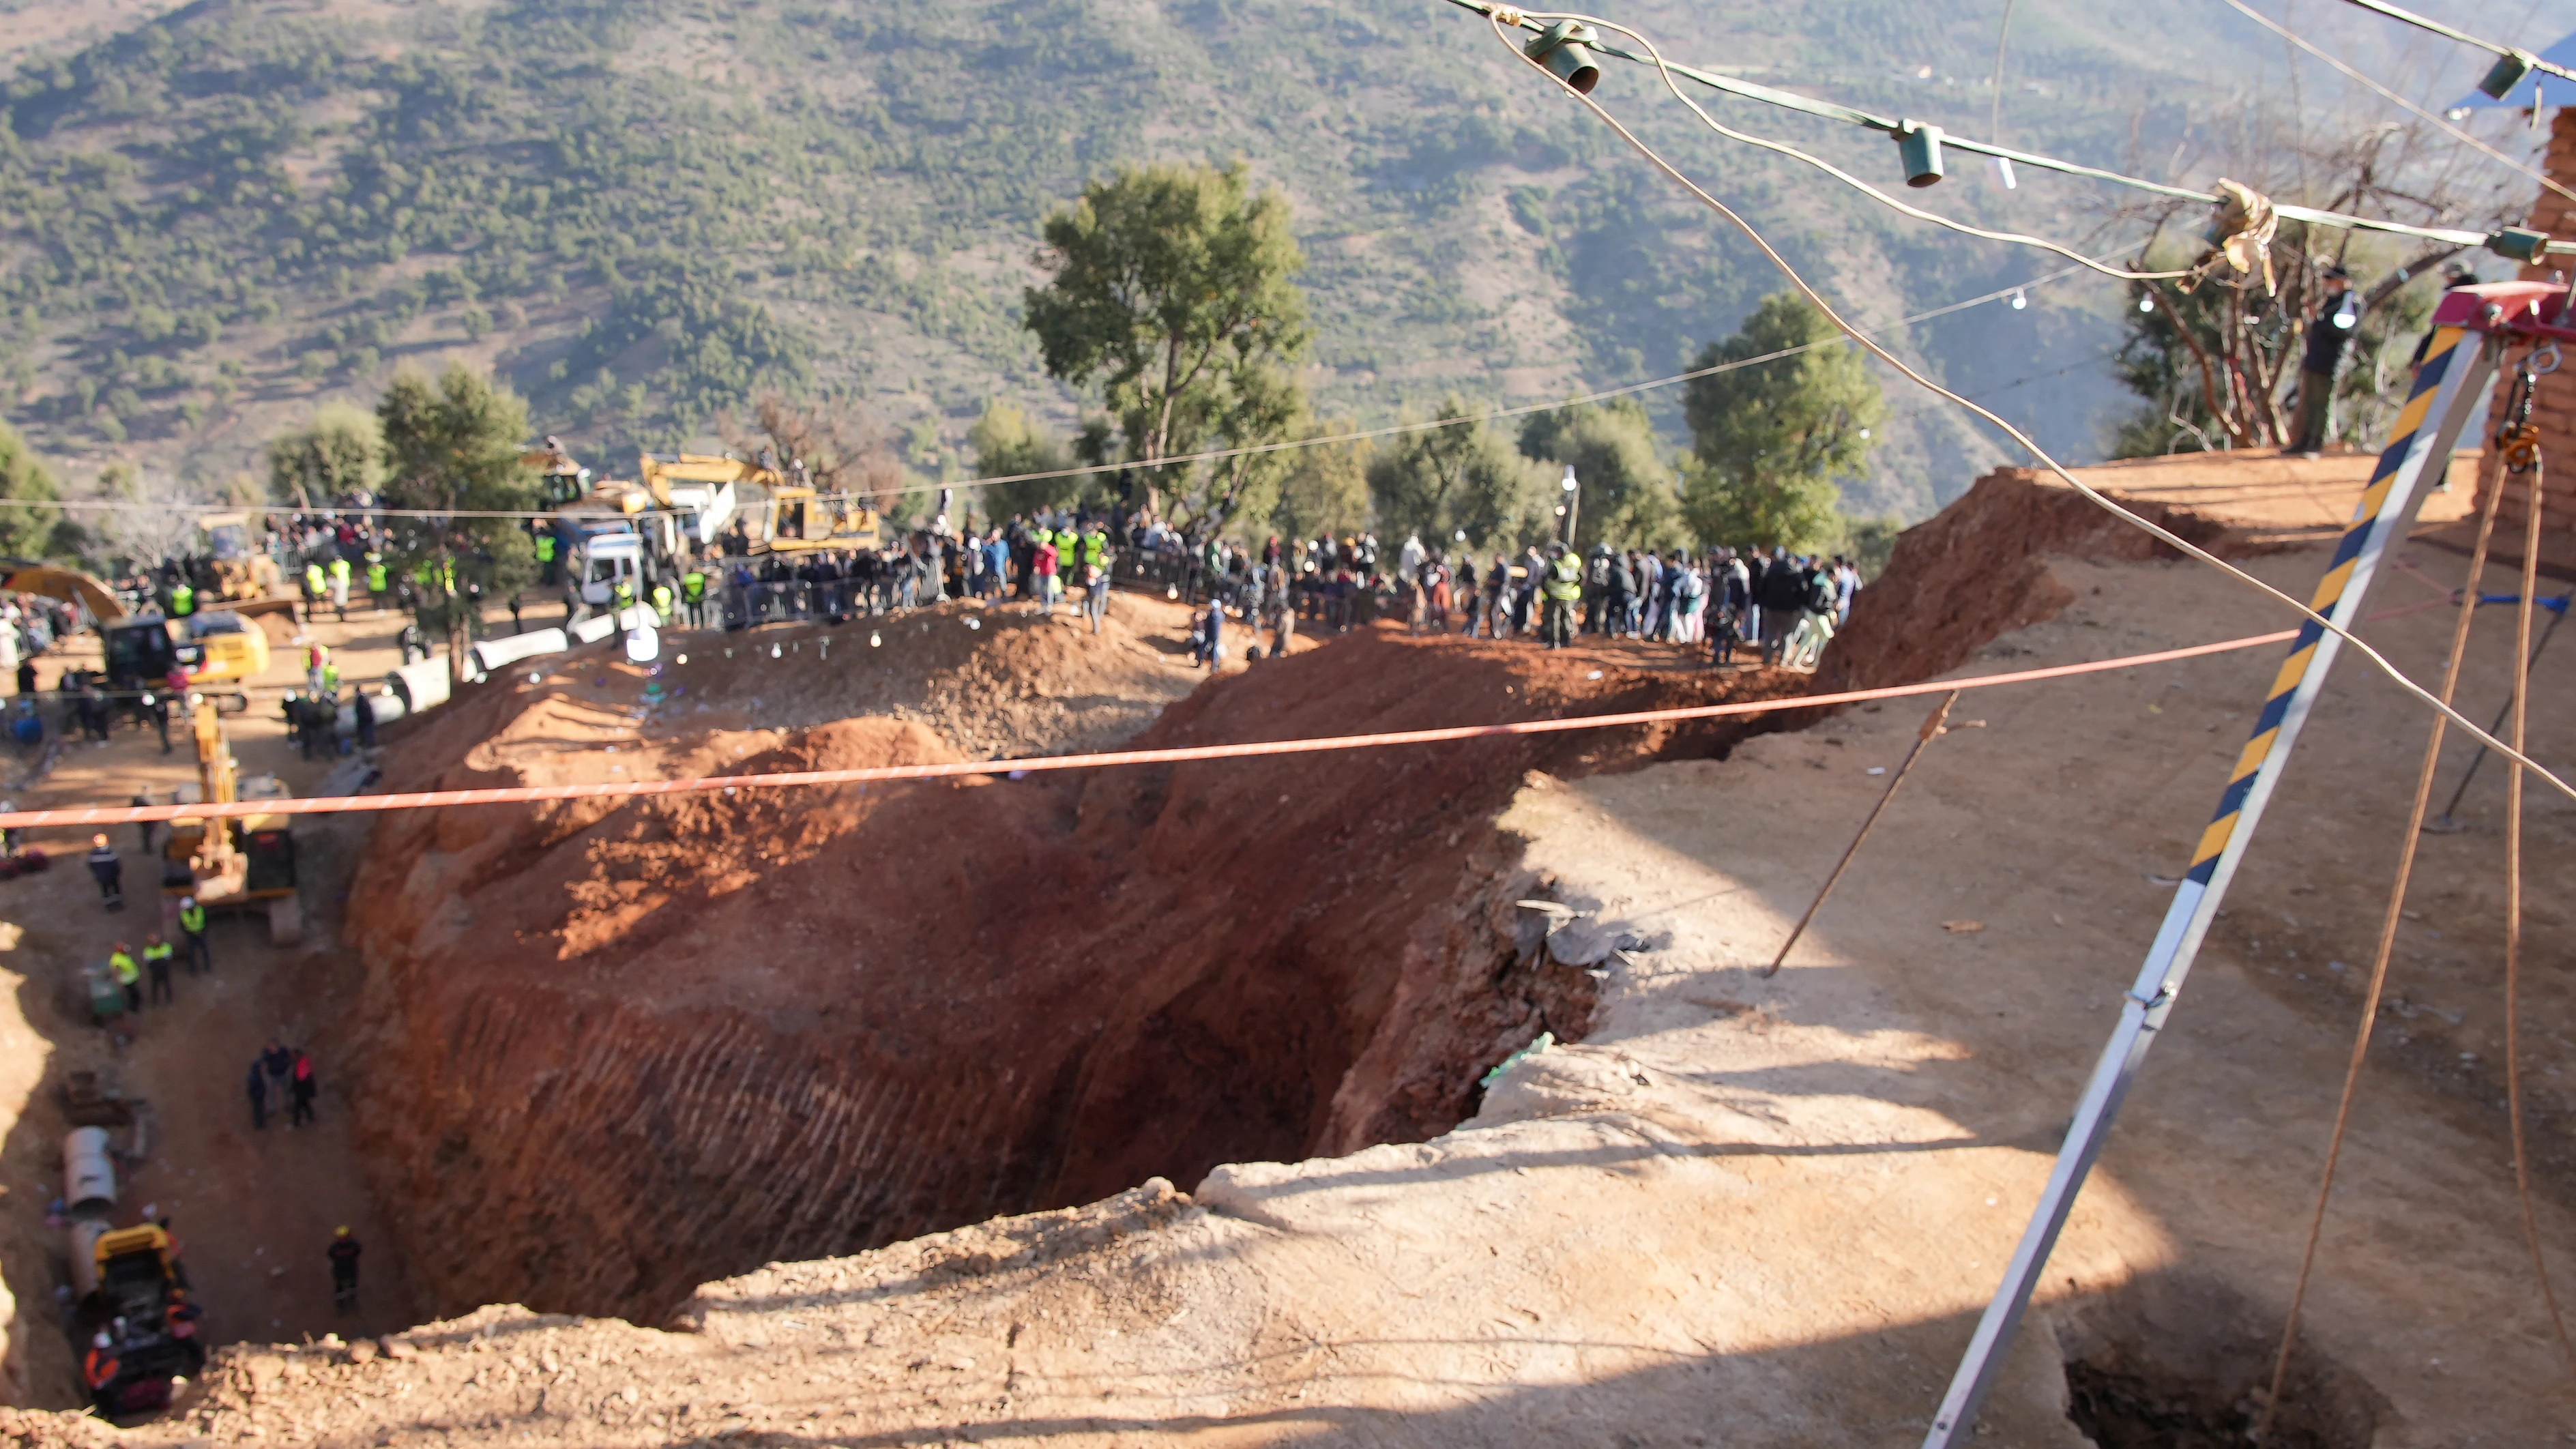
(1781, 591)
(2338, 316)
(108, 871)
(1618, 594)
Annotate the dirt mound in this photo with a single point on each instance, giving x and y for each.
(621, 1049)
(1979, 569)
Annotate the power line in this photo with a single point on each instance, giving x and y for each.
(2508, 58)
(2092, 494)
(1091, 469)
(2283, 31)
(1906, 131)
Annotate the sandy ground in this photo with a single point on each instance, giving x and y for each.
(253, 1210)
(1749, 1211)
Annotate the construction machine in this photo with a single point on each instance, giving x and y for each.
(778, 513)
(213, 649)
(243, 863)
(135, 1330)
(242, 569)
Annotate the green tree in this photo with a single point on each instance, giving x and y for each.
(1325, 488)
(25, 532)
(1771, 438)
(1464, 478)
(1172, 294)
(1006, 444)
(341, 451)
(453, 446)
(1630, 495)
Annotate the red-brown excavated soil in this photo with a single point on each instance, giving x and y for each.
(618, 1050)
(1980, 568)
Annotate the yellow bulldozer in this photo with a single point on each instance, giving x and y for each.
(244, 863)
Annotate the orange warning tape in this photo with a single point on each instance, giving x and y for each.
(331, 805)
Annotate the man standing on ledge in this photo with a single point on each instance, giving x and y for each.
(2337, 318)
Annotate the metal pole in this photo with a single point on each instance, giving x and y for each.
(2452, 380)
(1931, 727)
(2443, 824)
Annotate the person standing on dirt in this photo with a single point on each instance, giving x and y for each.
(300, 1088)
(340, 587)
(156, 960)
(1042, 571)
(120, 963)
(1784, 595)
(364, 716)
(258, 1096)
(1563, 588)
(277, 1061)
(343, 1254)
(108, 871)
(27, 678)
(192, 931)
(2338, 317)
(693, 594)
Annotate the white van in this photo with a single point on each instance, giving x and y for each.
(604, 561)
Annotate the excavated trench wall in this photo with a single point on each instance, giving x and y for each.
(621, 1050)
(616, 1050)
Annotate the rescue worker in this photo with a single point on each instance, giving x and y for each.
(313, 587)
(100, 1366)
(1095, 575)
(343, 1253)
(378, 580)
(108, 871)
(300, 1087)
(661, 604)
(120, 963)
(621, 598)
(1562, 590)
(192, 929)
(340, 587)
(693, 594)
(156, 959)
(546, 557)
(183, 599)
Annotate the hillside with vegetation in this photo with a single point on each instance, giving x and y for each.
(215, 218)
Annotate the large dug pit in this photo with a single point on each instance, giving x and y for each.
(619, 1049)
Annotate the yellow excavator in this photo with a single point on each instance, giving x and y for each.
(243, 863)
(214, 648)
(243, 570)
(778, 515)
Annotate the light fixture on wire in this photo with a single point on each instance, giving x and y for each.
(1565, 48)
(2020, 299)
(2146, 304)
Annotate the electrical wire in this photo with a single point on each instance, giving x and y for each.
(2532, 501)
(2438, 28)
(1090, 469)
(1521, 19)
(518, 794)
(2154, 530)
(2283, 31)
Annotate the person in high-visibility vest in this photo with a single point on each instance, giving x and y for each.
(183, 600)
(662, 604)
(1095, 576)
(128, 975)
(340, 587)
(621, 597)
(378, 581)
(156, 959)
(313, 585)
(192, 929)
(331, 680)
(546, 555)
(1561, 590)
(693, 594)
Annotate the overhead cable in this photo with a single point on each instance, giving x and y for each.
(2513, 242)
(1089, 469)
(2155, 530)
(520, 794)
(2283, 31)
(2512, 62)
